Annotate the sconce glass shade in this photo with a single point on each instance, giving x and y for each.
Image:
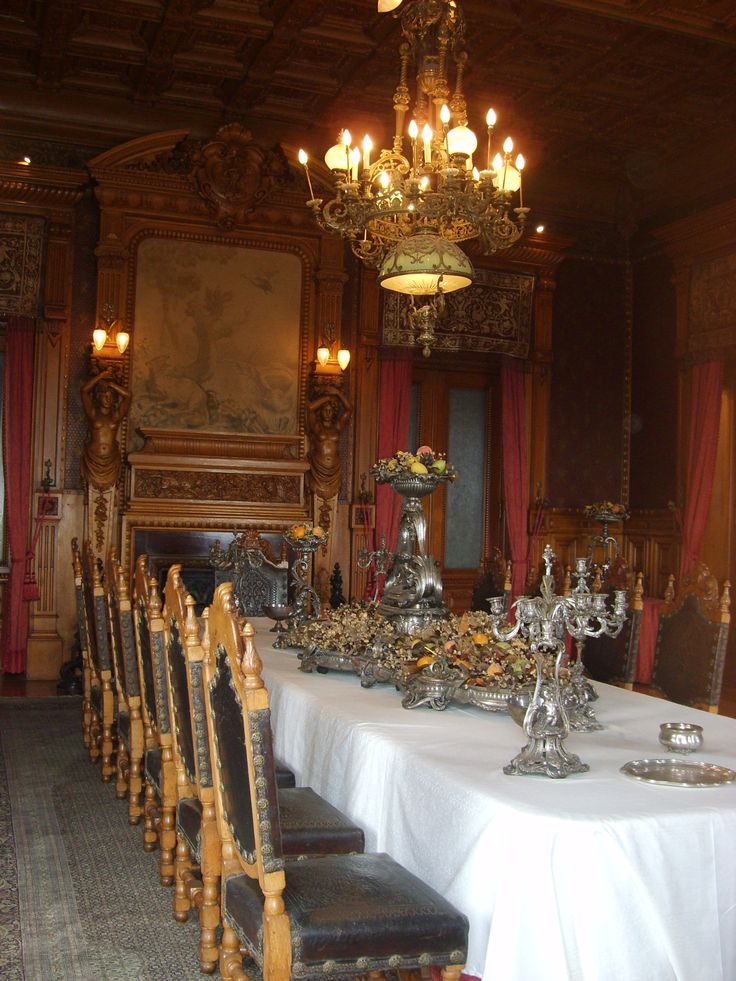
(99, 336)
(323, 355)
(122, 338)
(416, 265)
(343, 358)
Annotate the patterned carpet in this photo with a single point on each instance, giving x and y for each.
(79, 898)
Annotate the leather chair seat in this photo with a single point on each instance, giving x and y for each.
(124, 727)
(188, 823)
(284, 776)
(95, 697)
(359, 912)
(312, 826)
(153, 767)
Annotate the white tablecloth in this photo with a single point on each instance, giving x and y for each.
(597, 877)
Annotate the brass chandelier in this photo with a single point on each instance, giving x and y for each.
(405, 211)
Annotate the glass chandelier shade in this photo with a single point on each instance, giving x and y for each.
(426, 182)
(424, 264)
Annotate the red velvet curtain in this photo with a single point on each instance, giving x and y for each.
(515, 478)
(17, 413)
(393, 434)
(705, 416)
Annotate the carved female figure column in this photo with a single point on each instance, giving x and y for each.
(105, 404)
(327, 415)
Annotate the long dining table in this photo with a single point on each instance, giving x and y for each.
(596, 877)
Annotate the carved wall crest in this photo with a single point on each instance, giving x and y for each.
(712, 313)
(234, 174)
(494, 315)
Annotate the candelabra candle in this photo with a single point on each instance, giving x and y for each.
(544, 621)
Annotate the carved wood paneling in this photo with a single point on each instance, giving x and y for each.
(649, 541)
(173, 485)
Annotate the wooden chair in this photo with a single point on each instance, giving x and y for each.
(101, 688)
(495, 581)
(159, 808)
(130, 737)
(614, 659)
(197, 866)
(88, 672)
(309, 824)
(691, 641)
(338, 915)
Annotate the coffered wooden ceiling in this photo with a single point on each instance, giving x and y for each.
(625, 109)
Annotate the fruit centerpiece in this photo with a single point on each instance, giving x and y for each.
(455, 659)
(412, 596)
(418, 472)
(304, 537)
(606, 511)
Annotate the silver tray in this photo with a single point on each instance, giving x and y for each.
(679, 773)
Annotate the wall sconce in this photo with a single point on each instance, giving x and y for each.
(100, 334)
(326, 351)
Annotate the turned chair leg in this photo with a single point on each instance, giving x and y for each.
(94, 739)
(135, 789)
(86, 722)
(150, 806)
(209, 921)
(122, 764)
(182, 865)
(231, 961)
(107, 765)
(167, 844)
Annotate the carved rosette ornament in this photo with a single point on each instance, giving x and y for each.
(234, 174)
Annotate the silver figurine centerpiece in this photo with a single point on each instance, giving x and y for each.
(412, 595)
(544, 621)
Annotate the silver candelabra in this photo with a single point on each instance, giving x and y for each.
(544, 621)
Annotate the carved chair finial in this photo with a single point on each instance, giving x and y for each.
(154, 599)
(251, 664)
(637, 601)
(191, 629)
(726, 602)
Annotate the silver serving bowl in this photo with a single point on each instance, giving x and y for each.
(278, 612)
(681, 737)
(518, 703)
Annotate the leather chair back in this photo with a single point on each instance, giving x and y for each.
(691, 642)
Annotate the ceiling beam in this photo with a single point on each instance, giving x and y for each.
(659, 15)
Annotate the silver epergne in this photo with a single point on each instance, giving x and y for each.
(412, 596)
(544, 621)
(307, 604)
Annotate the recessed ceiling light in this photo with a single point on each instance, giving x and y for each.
(25, 160)
(540, 228)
